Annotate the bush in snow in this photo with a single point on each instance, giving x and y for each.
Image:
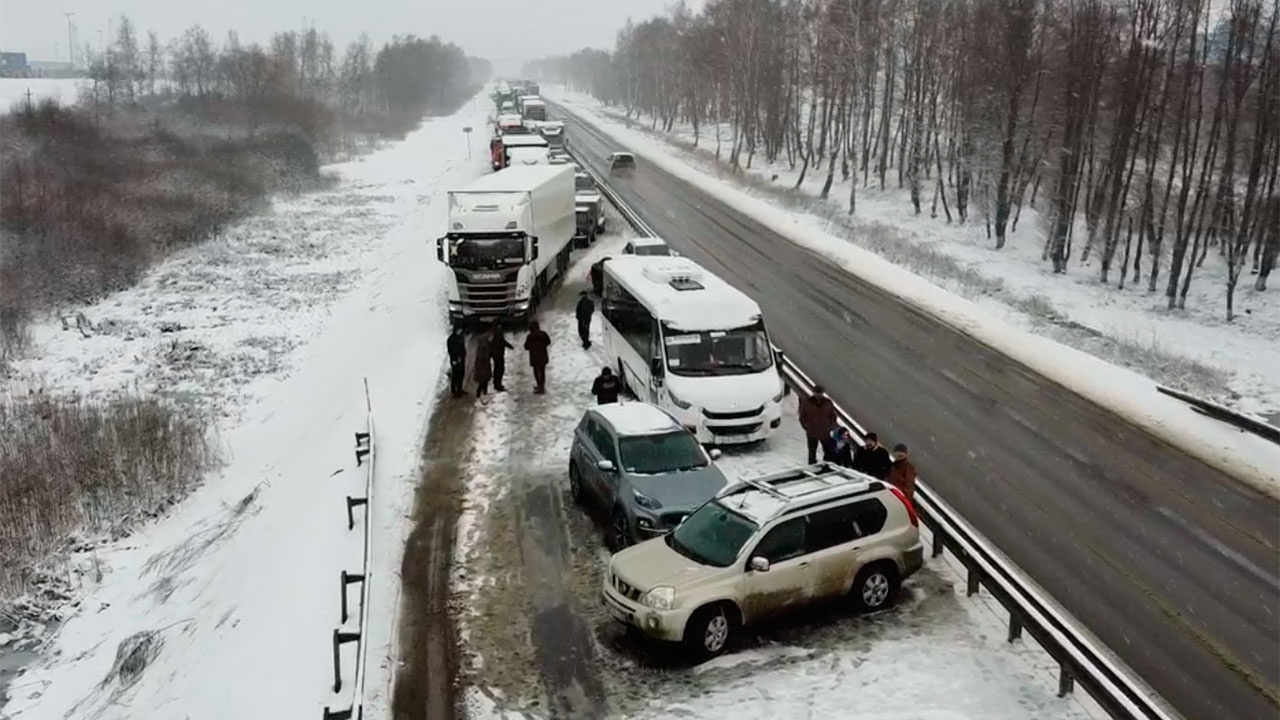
(75, 471)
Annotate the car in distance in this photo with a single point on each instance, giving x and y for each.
(622, 163)
(648, 246)
(763, 547)
(642, 468)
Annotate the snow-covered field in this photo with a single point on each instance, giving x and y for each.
(938, 655)
(1247, 351)
(14, 90)
(227, 605)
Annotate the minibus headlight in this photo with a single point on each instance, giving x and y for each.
(678, 401)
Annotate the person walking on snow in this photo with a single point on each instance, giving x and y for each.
(498, 347)
(872, 458)
(818, 418)
(606, 387)
(457, 346)
(481, 366)
(537, 343)
(903, 474)
(586, 308)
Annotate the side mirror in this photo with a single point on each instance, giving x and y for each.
(759, 564)
(440, 249)
(605, 466)
(715, 453)
(656, 368)
(533, 249)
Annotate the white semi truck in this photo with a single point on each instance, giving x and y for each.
(509, 237)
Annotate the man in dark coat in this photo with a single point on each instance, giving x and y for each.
(606, 387)
(537, 343)
(498, 347)
(482, 365)
(818, 418)
(457, 360)
(585, 310)
(872, 458)
(903, 474)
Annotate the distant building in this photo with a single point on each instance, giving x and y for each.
(13, 64)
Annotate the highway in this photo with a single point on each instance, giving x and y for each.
(1170, 563)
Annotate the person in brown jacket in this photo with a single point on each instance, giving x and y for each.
(902, 474)
(818, 418)
(536, 343)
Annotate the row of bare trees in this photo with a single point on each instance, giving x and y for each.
(1140, 131)
(296, 74)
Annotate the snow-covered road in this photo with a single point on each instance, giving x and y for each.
(938, 655)
(231, 599)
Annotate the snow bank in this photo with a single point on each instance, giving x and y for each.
(1130, 395)
(235, 594)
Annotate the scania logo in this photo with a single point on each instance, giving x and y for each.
(486, 276)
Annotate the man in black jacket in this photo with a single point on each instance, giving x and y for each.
(872, 458)
(606, 387)
(457, 360)
(498, 347)
(585, 310)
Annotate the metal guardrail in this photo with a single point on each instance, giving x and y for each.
(1081, 658)
(1225, 414)
(343, 635)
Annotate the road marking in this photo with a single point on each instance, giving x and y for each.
(1235, 557)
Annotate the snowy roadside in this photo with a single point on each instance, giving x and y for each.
(1194, 349)
(937, 655)
(272, 327)
(1132, 396)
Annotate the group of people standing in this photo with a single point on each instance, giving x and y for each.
(489, 363)
(822, 428)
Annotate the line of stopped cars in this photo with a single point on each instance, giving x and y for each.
(698, 557)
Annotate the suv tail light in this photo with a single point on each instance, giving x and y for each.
(911, 509)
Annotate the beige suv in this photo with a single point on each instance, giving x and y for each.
(763, 547)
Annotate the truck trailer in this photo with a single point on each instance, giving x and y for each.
(509, 237)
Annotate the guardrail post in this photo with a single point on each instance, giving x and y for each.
(1015, 625)
(1066, 683)
(973, 580)
(347, 579)
(336, 714)
(352, 503)
(339, 639)
(937, 544)
(362, 447)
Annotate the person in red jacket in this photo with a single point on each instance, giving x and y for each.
(818, 418)
(903, 474)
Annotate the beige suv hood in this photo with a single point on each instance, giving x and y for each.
(652, 563)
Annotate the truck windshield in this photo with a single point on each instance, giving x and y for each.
(740, 351)
(584, 183)
(481, 251)
(535, 113)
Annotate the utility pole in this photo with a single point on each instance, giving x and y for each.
(71, 43)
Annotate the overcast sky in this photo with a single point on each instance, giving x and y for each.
(504, 31)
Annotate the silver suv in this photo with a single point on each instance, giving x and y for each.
(639, 464)
(763, 547)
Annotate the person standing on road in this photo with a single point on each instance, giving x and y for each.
(498, 347)
(606, 387)
(537, 343)
(585, 310)
(842, 445)
(457, 360)
(818, 418)
(903, 474)
(481, 366)
(872, 458)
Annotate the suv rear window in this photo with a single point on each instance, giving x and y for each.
(844, 524)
